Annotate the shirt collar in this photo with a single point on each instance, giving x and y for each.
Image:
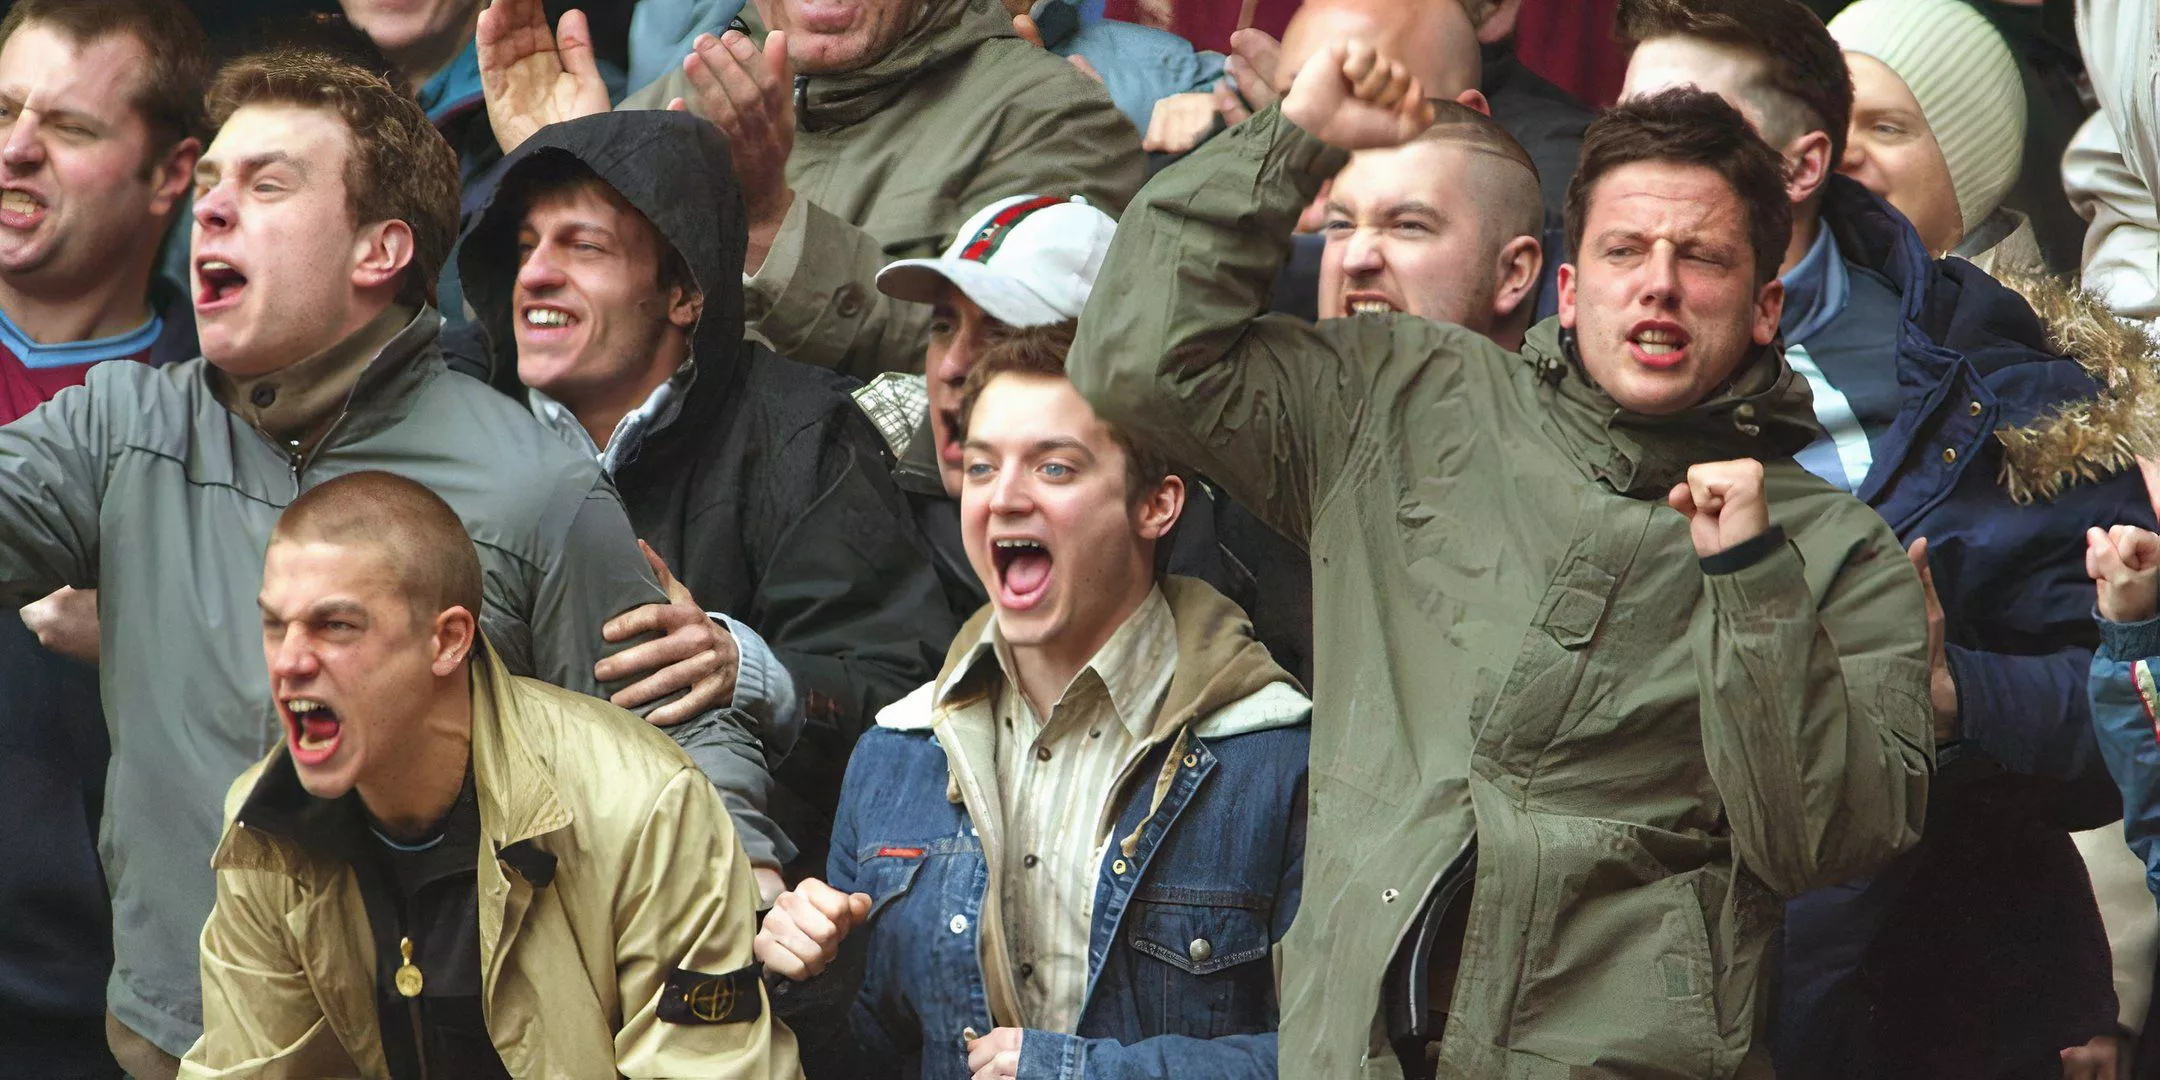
(69, 353)
(657, 411)
(454, 85)
(1816, 289)
(1133, 668)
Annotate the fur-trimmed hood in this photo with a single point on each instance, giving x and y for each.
(2095, 438)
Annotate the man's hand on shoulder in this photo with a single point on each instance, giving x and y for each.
(692, 651)
(532, 78)
(1724, 504)
(802, 933)
(1353, 98)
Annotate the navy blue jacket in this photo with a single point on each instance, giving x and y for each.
(1180, 979)
(1983, 947)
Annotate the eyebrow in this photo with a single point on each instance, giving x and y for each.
(1415, 206)
(1042, 446)
(254, 163)
(593, 228)
(320, 610)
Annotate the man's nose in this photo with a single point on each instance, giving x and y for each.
(214, 209)
(1661, 276)
(25, 146)
(291, 657)
(1009, 491)
(1362, 253)
(539, 271)
(959, 358)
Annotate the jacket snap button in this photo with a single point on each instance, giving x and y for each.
(1118, 867)
(1200, 950)
(1949, 457)
(850, 302)
(263, 396)
(1042, 753)
(958, 924)
(1974, 409)
(1192, 760)
(1745, 412)
(1387, 896)
(968, 1035)
(1029, 861)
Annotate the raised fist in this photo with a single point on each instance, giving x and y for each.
(804, 929)
(1724, 504)
(2124, 563)
(1351, 97)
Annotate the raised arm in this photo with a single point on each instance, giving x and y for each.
(1812, 659)
(53, 466)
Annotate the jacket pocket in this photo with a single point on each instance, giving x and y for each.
(888, 872)
(1202, 967)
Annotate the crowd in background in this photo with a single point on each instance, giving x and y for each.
(1119, 538)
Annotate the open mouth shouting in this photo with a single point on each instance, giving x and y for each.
(218, 285)
(1023, 572)
(312, 729)
(1657, 345)
(20, 209)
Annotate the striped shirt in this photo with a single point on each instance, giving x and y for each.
(1057, 779)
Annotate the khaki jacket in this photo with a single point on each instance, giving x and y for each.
(891, 160)
(1519, 652)
(634, 871)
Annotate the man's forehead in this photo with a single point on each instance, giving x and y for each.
(302, 572)
(99, 77)
(1017, 410)
(308, 136)
(1662, 193)
(589, 199)
(1432, 173)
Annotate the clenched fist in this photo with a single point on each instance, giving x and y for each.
(1351, 97)
(1724, 504)
(804, 929)
(2124, 563)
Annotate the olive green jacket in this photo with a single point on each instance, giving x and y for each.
(1518, 648)
(607, 863)
(891, 160)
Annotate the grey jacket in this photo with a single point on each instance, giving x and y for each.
(141, 484)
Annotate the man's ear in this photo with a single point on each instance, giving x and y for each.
(685, 308)
(1808, 166)
(1158, 510)
(1475, 99)
(451, 639)
(173, 176)
(1564, 280)
(1521, 261)
(1769, 307)
(385, 249)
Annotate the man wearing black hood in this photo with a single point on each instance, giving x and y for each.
(608, 265)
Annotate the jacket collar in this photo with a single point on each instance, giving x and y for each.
(280, 826)
(361, 379)
(1763, 411)
(1130, 667)
(944, 31)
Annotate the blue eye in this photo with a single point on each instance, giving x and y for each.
(1056, 471)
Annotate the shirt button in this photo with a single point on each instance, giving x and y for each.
(1029, 861)
(1200, 950)
(1027, 971)
(1042, 753)
(262, 396)
(958, 924)
(1949, 457)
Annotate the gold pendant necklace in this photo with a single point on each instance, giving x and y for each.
(408, 976)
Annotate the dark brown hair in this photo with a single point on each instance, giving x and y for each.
(399, 167)
(1687, 126)
(168, 85)
(1805, 85)
(1041, 350)
(421, 536)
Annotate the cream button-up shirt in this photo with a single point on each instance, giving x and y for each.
(1057, 778)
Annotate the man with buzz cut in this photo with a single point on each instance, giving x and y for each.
(1603, 676)
(446, 870)
(323, 211)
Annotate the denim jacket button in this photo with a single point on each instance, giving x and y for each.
(1200, 950)
(958, 924)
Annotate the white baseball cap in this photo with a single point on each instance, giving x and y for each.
(1029, 261)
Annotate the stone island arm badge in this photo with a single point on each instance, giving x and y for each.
(693, 997)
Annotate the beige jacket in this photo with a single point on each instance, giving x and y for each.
(647, 877)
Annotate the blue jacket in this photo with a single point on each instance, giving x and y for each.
(2124, 697)
(1992, 915)
(1199, 882)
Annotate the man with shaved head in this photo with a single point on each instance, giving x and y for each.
(1444, 227)
(437, 854)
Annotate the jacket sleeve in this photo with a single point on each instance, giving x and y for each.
(1815, 712)
(2124, 696)
(688, 901)
(261, 1018)
(53, 463)
(815, 299)
(846, 595)
(1175, 347)
(2122, 240)
(597, 574)
(2031, 715)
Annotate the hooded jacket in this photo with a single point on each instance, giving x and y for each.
(1994, 915)
(1536, 705)
(606, 869)
(1200, 879)
(892, 159)
(767, 493)
(141, 484)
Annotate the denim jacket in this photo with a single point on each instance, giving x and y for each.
(1200, 880)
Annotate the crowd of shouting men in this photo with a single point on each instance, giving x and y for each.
(927, 542)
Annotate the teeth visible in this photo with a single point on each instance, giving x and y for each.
(17, 202)
(1015, 544)
(215, 265)
(1656, 348)
(1371, 307)
(546, 317)
(304, 706)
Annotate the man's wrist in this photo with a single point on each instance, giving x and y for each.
(1746, 553)
(765, 231)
